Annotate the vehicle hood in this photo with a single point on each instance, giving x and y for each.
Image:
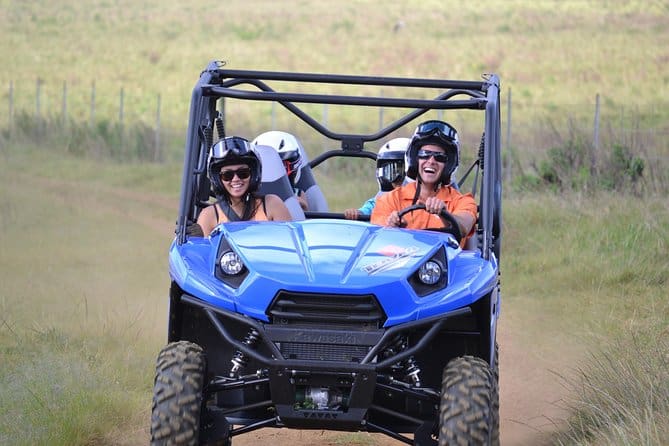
(319, 256)
(330, 253)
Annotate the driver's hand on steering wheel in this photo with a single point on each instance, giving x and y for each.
(434, 205)
(394, 219)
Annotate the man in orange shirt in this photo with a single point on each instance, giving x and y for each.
(432, 157)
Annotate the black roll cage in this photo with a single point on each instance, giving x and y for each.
(215, 82)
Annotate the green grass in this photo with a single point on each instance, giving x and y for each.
(596, 268)
(79, 329)
(623, 392)
(554, 56)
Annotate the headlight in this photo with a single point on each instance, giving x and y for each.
(430, 272)
(230, 263)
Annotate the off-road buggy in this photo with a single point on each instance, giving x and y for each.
(323, 322)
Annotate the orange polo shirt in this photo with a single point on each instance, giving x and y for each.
(402, 197)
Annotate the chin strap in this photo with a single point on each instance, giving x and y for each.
(417, 194)
(419, 184)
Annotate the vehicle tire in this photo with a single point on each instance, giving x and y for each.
(177, 395)
(465, 416)
(494, 440)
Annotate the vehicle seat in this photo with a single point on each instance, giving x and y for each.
(316, 201)
(275, 181)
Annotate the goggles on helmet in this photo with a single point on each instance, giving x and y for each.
(236, 145)
(436, 128)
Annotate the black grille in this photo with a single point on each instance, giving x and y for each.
(357, 312)
(324, 352)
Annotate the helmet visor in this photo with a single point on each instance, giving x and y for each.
(391, 171)
(291, 161)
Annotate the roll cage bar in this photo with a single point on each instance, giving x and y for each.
(215, 82)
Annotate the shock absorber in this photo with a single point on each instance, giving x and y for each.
(412, 371)
(239, 359)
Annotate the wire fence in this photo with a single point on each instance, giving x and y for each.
(140, 126)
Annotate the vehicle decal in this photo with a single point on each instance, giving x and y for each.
(398, 257)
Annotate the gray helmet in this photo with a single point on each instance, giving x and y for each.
(232, 150)
(441, 134)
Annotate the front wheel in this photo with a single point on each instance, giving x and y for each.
(466, 413)
(177, 395)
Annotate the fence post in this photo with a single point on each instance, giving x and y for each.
(38, 93)
(273, 125)
(595, 145)
(120, 118)
(157, 152)
(92, 117)
(381, 114)
(63, 110)
(11, 104)
(120, 107)
(508, 137)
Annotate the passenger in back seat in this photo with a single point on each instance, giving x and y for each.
(389, 174)
(288, 148)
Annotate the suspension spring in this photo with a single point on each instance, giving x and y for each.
(239, 359)
(412, 371)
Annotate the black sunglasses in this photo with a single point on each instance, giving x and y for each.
(242, 173)
(439, 157)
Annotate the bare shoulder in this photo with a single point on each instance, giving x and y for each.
(273, 200)
(207, 212)
(276, 208)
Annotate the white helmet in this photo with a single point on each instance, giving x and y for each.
(289, 149)
(390, 163)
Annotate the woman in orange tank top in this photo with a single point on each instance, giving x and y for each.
(234, 170)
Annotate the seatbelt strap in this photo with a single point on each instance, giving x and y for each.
(229, 212)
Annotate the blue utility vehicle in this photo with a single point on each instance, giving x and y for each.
(323, 322)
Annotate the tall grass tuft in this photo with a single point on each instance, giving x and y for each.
(573, 163)
(622, 393)
(58, 390)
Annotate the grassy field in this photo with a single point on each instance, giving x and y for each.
(553, 56)
(83, 261)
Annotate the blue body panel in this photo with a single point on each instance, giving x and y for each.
(326, 256)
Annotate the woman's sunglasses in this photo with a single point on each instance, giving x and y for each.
(242, 173)
(439, 157)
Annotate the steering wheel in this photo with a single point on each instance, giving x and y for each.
(453, 229)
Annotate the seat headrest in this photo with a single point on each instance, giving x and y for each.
(315, 199)
(275, 181)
